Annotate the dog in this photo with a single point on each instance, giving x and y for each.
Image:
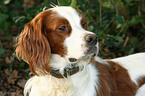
(62, 55)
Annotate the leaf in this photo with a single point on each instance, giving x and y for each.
(118, 26)
(7, 72)
(136, 20)
(12, 77)
(108, 4)
(3, 17)
(17, 93)
(7, 60)
(21, 83)
(74, 3)
(4, 23)
(2, 93)
(119, 19)
(64, 2)
(119, 39)
(2, 52)
(7, 1)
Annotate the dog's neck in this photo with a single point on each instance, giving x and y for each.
(82, 83)
(65, 68)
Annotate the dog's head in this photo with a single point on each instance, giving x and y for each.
(55, 38)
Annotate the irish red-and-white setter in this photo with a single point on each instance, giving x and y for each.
(61, 54)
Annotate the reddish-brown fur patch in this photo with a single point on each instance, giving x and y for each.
(114, 80)
(56, 37)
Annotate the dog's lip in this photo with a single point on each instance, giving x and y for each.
(72, 60)
(73, 66)
(92, 49)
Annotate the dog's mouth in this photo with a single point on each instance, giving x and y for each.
(73, 66)
(90, 52)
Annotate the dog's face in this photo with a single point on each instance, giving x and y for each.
(55, 38)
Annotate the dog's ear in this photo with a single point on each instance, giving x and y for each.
(33, 46)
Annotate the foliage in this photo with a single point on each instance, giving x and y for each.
(2, 51)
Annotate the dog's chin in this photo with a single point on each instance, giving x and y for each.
(91, 52)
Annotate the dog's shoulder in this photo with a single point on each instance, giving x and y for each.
(120, 74)
(134, 64)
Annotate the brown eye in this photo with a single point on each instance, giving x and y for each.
(84, 24)
(62, 28)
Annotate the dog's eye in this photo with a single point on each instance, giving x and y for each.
(62, 28)
(84, 25)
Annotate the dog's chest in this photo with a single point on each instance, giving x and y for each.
(48, 86)
(81, 84)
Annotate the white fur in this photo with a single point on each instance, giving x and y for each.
(135, 64)
(83, 83)
(100, 60)
(141, 91)
(58, 62)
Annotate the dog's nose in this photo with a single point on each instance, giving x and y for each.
(91, 39)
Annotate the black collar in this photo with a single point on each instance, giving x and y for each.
(68, 71)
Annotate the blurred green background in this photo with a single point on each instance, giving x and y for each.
(119, 24)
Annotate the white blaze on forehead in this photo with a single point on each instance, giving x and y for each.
(75, 43)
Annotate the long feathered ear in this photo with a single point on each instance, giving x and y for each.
(33, 46)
